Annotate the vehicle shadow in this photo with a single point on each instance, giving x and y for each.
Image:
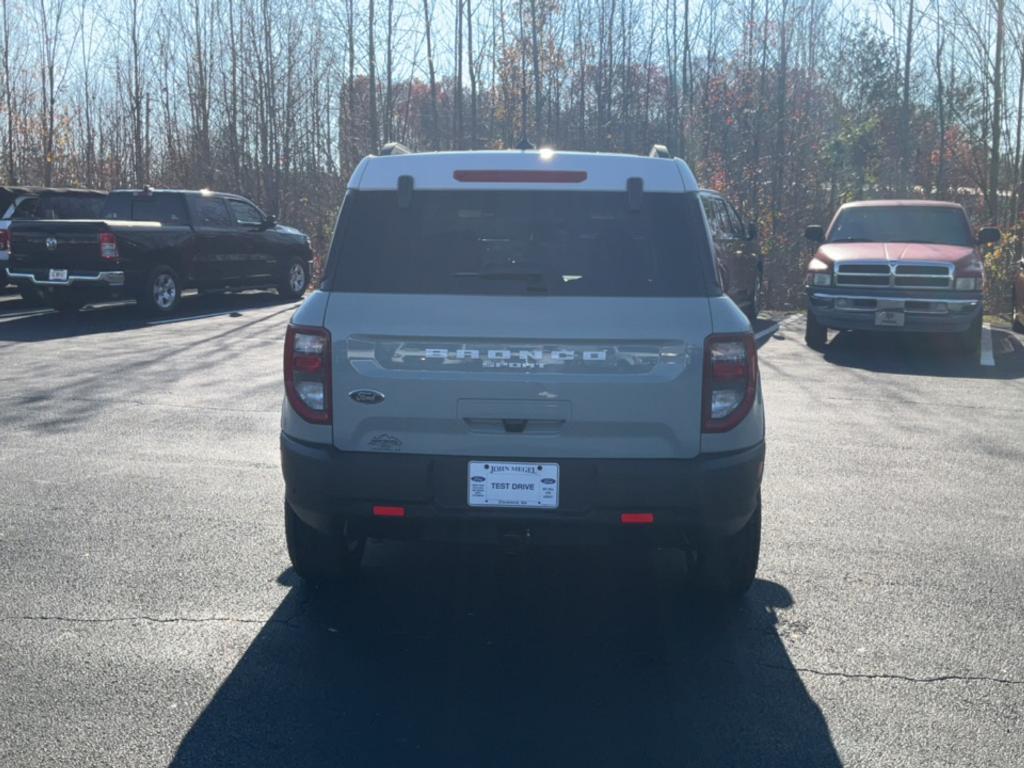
(456, 658)
(925, 355)
(25, 322)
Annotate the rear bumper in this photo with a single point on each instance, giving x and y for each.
(923, 311)
(708, 496)
(106, 278)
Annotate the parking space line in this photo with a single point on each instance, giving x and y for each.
(190, 317)
(987, 358)
(771, 329)
(26, 313)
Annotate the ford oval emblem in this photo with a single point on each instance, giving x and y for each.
(51, 243)
(367, 396)
(548, 480)
(478, 478)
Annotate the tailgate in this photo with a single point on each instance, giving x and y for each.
(523, 377)
(39, 246)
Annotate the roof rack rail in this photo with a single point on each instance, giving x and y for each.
(394, 148)
(659, 150)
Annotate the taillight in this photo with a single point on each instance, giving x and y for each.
(307, 372)
(108, 246)
(5, 240)
(730, 380)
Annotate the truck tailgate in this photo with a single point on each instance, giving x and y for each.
(39, 246)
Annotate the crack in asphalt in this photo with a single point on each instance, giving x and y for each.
(289, 621)
(292, 622)
(894, 677)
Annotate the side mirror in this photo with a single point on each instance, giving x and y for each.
(270, 221)
(989, 235)
(815, 233)
(751, 231)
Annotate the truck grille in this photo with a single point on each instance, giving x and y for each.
(883, 274)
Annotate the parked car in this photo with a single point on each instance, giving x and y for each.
(897, 265)
(42, 203)
(1018, 299)
(152, 244)
(525, 345)
(737, 253)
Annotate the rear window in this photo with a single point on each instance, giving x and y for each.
(59, 207)
(902, 224)
(165, 208)
(519, 243)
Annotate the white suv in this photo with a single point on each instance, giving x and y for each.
(530, 344)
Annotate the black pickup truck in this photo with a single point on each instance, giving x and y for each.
(150, 245)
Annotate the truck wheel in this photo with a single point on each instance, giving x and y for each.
(970, 340)
(160, 292)
(63, 301)
(295, 280)
(30, 295)
(726, 567)
(816, 334)
(754, 307)
(319, 558)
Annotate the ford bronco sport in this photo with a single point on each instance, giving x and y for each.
(528, 344)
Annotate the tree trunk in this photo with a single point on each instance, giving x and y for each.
(905, 111)
(374, 126)
(997, 114)
(434, 138)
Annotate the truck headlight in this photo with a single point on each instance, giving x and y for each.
(968, 283)
(819, 273)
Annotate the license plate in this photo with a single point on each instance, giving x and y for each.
(513, 484)
(889, 317)
(58, 274)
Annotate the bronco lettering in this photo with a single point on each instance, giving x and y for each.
(522, 355)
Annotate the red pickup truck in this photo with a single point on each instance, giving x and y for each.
(897, 265)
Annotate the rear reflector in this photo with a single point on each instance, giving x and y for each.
(637, 518)
(536, 177)
(389, 511)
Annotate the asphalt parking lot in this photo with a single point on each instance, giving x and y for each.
(148, 615)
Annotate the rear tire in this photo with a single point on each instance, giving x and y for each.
(295, 281)
(726, 567)
(30, 295)
(754, 307)
(160, 292)
(816, 334)
(64, 301)
(321, 559)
